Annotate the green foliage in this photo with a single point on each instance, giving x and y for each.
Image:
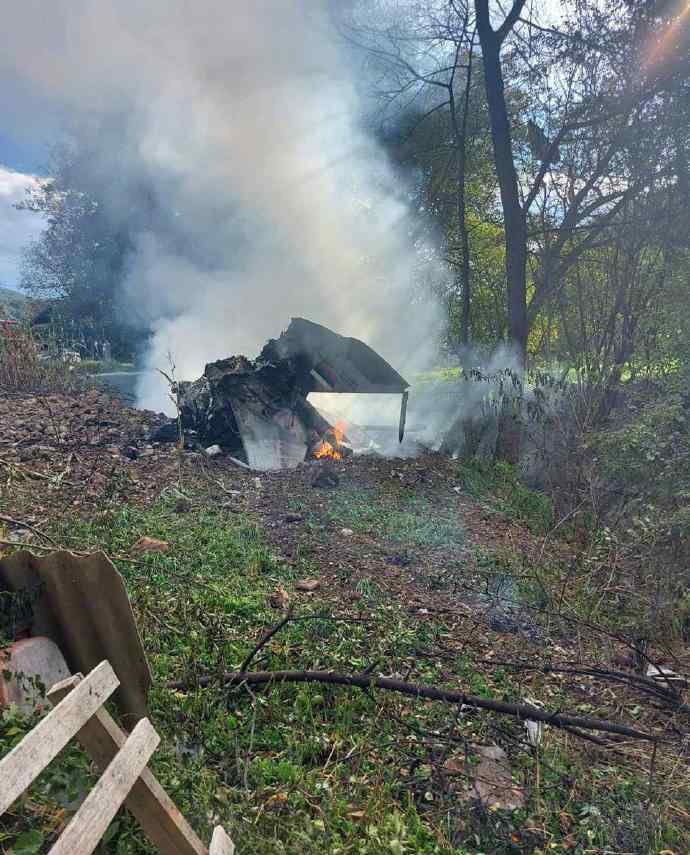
(650, 445)
(31, 824)
(499, 485)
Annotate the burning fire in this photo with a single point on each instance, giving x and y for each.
(328, 449)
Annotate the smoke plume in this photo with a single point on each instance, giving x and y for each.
(270, 197)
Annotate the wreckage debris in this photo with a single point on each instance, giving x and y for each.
(80, 604)
(325, 478)
(257, 411)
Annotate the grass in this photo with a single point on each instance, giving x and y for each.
(498, 485)
(314, 769)
(100, 366)
(400, 517)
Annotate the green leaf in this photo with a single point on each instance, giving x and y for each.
(28, 843)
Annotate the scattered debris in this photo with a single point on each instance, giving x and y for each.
(308, 585)
(213, 450)
(182, 505)
(81, 604)
(400, 559)
(325, 477)
(665, 675)
(150, 544)
(492, 780)
(279, 599)
(535, 731)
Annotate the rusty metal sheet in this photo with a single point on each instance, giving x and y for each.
(82, 605)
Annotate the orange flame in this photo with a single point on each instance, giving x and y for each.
(329, 449)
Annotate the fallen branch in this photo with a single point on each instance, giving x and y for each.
(17, 544)
(290, 617)
(264, 641)
(29, 527)
(32, 473)
(520, 711)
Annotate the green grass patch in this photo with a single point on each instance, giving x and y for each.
(399, 518)
(498, 485)
(310, 768)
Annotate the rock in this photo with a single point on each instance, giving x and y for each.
(492, 779)
(166, 433)
(279, 599)
(26, 668)
(150, 544)
(308, 585)
(325, 478)
(346, 531)
(182, 505)
(501, 621)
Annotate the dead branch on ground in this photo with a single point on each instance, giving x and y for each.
(29, 527)
(519, 711)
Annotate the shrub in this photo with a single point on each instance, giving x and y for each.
(22, 368)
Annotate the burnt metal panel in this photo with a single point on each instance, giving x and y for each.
(332, 362)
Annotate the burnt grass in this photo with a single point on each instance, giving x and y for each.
(434, 571)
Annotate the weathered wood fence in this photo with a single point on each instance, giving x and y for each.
(122, 758)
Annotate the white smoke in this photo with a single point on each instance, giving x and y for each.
(245, 118)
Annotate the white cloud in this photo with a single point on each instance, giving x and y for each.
(17, 228)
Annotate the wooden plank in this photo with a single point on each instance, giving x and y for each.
(221, 843)
(30, 757)
(152, 807)
(90, 822)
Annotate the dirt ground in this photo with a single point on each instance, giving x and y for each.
(413, 530)
(361, 533)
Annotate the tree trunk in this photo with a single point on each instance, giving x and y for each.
(460, 138)
(513, 213)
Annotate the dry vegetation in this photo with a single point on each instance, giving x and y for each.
(22, 367)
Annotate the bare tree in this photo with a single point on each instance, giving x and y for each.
(563, 191)
(425, 62)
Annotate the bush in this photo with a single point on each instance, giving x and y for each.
(22, 368)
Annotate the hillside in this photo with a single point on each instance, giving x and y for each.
(13, 304)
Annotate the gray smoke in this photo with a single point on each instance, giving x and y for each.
(245, 119)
